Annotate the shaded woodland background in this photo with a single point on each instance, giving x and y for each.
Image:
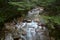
(10, 9)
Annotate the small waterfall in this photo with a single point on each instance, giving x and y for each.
(31, 29)
(35, 32)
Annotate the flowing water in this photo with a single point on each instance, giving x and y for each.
(31, 29)
(34, 31)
